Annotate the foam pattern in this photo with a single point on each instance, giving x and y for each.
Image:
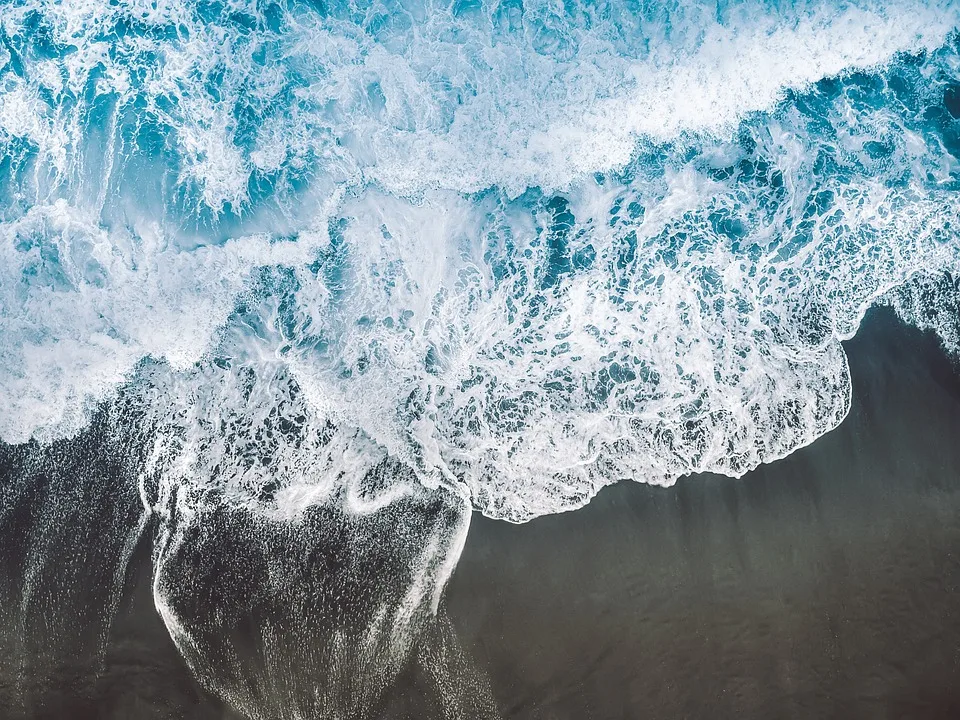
(514, 250)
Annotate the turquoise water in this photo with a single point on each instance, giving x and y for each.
(395, 262)
(523, 249)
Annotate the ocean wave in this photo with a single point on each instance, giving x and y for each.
(521, 250)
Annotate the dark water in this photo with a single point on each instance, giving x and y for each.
(823, 585)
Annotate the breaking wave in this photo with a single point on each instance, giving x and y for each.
(522, 249)
(402, 260)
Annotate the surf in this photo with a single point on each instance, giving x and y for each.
(348, 258)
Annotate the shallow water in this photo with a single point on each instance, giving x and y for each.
(823, 585)
(292, 293)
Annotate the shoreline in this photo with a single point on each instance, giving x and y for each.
(823, 584)
(772, 595)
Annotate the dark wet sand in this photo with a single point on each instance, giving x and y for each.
(823, 585)
(71, 646)
(826, 585)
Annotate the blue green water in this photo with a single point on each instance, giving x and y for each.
(523, 249)
(328, 278)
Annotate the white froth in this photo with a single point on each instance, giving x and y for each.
(740, 68)
(83, 305)
(335, 241)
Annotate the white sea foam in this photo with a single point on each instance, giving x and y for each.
(350, 274)
(335, 236)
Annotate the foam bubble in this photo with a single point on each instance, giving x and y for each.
(348, 274)
(524, 254)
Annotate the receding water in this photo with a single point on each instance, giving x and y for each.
(291, 291)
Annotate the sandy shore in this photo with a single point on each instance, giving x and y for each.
(824, 585)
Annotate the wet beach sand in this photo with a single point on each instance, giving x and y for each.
(824, 585)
